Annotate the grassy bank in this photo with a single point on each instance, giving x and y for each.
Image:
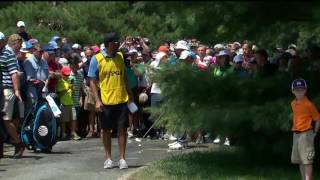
(218, 165)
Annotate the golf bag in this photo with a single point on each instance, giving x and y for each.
(39, 129)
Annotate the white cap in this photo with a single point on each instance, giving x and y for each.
(76, 46)
(292, 52)
(254, 47)
(182, 45)
(2, 36)
(133, 51)
(237, 43)
(102, 46)
(292, 46)
(218, 46)
(21, 23)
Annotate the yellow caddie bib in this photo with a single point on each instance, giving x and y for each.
(111, 77)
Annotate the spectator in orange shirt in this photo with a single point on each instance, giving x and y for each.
(304, 113)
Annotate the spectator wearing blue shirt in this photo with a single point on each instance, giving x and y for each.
(36, 74)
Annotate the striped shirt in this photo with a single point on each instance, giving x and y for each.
(76, 79)
(8, 65)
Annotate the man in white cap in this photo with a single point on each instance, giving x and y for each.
(22, 31)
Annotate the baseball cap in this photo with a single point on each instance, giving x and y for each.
(55, 38)
(237, 43)
(66, 70)
(111, 37)
(218, 46)
(49, 49)
(21, 24)
(53, 44)
(2, 36)
(163, 49)
(133, 51)
(224, 52)
(238, 58)
(292, 46)
(182, 45)
(76, 46)
(299, 84)
(33, 41)
(292, 52)
(25, 47)
(254, 47)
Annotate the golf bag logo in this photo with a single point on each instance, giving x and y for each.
(43, 130)
(39, 128)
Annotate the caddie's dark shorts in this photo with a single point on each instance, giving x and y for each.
(114, 116)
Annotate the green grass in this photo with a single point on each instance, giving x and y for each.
(218, 165)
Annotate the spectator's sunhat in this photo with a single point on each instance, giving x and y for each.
(299, 84)
(66, 70)
(182, 45)
(21, 24)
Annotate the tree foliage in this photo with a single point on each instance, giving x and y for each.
(210, 22)
(254, 110)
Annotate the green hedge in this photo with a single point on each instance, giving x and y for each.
(211, 22)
